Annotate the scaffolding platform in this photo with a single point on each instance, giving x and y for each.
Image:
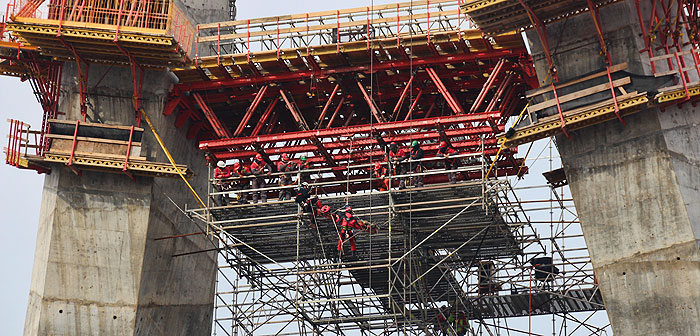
(266, 227)
(586, 101)
(497, 16)
(89, 146)
(155, 35)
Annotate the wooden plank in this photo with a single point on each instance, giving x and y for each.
(613, 69)
(136, 129)
(110, 141)
(578, 94)
(93, 148)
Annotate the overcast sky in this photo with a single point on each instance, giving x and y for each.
(20, 192)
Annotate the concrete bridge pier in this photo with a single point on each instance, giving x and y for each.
(636, 186)
(97, 268)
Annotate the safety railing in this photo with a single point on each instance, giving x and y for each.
(685, 67)
(400, 21)
(20, 139)
(154, 17)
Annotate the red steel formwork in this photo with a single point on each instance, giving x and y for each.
(368, 81)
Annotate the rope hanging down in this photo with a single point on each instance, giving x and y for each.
(170, 158)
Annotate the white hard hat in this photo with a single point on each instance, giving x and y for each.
(221, 164)
(305, 184)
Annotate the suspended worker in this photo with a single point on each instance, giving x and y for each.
(259, 168)
(222, 172)
(416, 165)
(242, 184)
(397, 156)
(284, 165)
(451, 163)
(382, 173)
(347, 225)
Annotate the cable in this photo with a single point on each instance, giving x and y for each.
(170, 158)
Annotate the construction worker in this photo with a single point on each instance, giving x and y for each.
(382, 173)
(397, 156)
(303, 193)
(461, 324)
(347, 223)
(285, 165)
(442, 325)
(259, 168)
(416, 165)
(451, 163)
(222, 171)
(303, 168)
(242, 183)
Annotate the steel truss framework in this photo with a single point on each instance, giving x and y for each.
(363, 75)
(466, 247)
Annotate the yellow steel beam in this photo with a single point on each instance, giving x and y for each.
(479, 4)
(574, 121)
(88, 33)
(670, 96)
(140, 168)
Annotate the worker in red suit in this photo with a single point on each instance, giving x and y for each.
(451, 163)
(221, 174)
(397, 157)
(347, 224)
(284, 165)
(241, 184)
(416, 165)
(382, 173)
(259, 168)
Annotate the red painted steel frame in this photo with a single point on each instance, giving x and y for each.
(352, 130)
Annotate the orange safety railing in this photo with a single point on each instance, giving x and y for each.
(155, 17)
(400, 21)
(19, 141)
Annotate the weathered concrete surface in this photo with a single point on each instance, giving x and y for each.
(98, 269)
(636, 188)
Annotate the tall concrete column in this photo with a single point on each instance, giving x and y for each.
(636, 187)
(98, 269)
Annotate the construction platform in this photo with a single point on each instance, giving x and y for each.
(422, 243)
(80, 145)
(497, 16)
(155, 35)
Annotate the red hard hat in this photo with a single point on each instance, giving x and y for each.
(236, 165)
(258, 157)
(348, 208)
(393, 143)
(443, 144)
(325, 208)
(285, 157)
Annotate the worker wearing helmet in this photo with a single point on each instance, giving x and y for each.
(259, 168)
(347, 223)
(242, 184)
(303, 169)
(303, 193)
(416, 165)
(222, 173)
(461, 324)
(397, 158)
(285, 165)
(381, 172)
(451, 163)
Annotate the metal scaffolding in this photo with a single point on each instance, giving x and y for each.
(466, 248)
